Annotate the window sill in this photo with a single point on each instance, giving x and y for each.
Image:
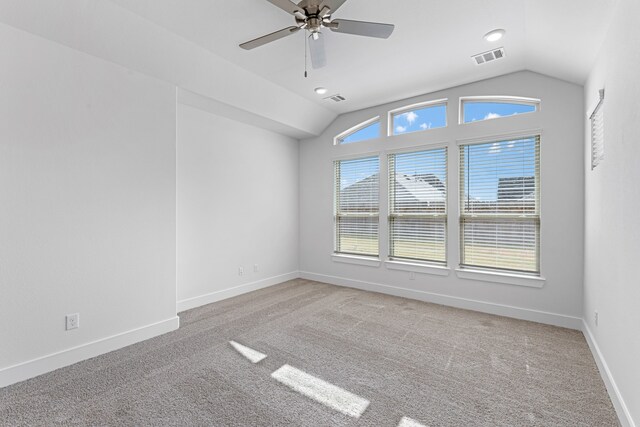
(498, 277)
(355, 259)
(418, 268)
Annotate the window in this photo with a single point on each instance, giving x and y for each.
(418, 117)
(597, 132)
(356, 206)
(479, 109)
(418, 206)
(362, 132)
(500, 202)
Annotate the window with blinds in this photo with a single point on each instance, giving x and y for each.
(597, 132)
(418, 206)
(357, 206)
(500, 205)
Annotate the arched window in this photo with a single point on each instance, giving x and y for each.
(476, 109)
(418, 117)
(369, 129)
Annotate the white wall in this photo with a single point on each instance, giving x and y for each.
(87, 218)
(612, 203)
(109, 31)
(561, 120)
(237, 207)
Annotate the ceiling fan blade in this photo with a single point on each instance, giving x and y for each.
(362, 28)
(269, 38)
(316, 49)
(333, 5)
(287, 5)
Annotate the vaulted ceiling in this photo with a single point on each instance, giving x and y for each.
(430, 49)
(194, 45)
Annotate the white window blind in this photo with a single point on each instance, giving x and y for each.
(500, 205)
(357, 206)
(418, 205)
(597, 132)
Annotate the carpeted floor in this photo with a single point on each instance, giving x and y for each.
(435, 365)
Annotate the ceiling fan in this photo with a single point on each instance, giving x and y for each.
(314, 15)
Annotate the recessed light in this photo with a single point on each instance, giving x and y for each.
(494, 35)
(320, 90)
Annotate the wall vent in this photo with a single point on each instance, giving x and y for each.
(336, 98)
(485, 57)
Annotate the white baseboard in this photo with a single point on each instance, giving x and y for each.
(51, 362)
(189, 303)
(468, 304)
(616, 398)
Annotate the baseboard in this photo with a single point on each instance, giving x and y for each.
(616, 398)
(189, 303)
(51, 362)
(468, 304)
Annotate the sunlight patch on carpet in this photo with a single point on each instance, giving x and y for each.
(321, 391)
(408, 422)
(253, 355)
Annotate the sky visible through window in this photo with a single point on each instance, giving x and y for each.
(352, 171)
(418, 120)
(507, 159)
(486, 164)
(478, 111)
(423, 163)
(368, 132)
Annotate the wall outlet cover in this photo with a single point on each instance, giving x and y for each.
(73, 321)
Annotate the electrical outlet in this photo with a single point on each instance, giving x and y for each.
(412, 275)
(240, 271)
(255, 268)
(595, 317)
(73, 321)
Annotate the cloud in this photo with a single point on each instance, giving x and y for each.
(401, 129)
(492, 116)
(425, 126)
(495, 148)
(411, 117)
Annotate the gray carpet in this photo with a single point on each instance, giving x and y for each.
(436, 365)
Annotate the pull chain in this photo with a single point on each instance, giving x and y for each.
(304, 37)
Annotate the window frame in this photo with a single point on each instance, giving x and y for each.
(351, 257)
(339, 139)
(395, 261)
(417, 106)
(501, 275)
(499, 99)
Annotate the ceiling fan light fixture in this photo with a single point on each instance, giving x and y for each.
(494, 35)
(311, 16)
(320, 90)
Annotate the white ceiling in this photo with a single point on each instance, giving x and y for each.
(429, 50)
